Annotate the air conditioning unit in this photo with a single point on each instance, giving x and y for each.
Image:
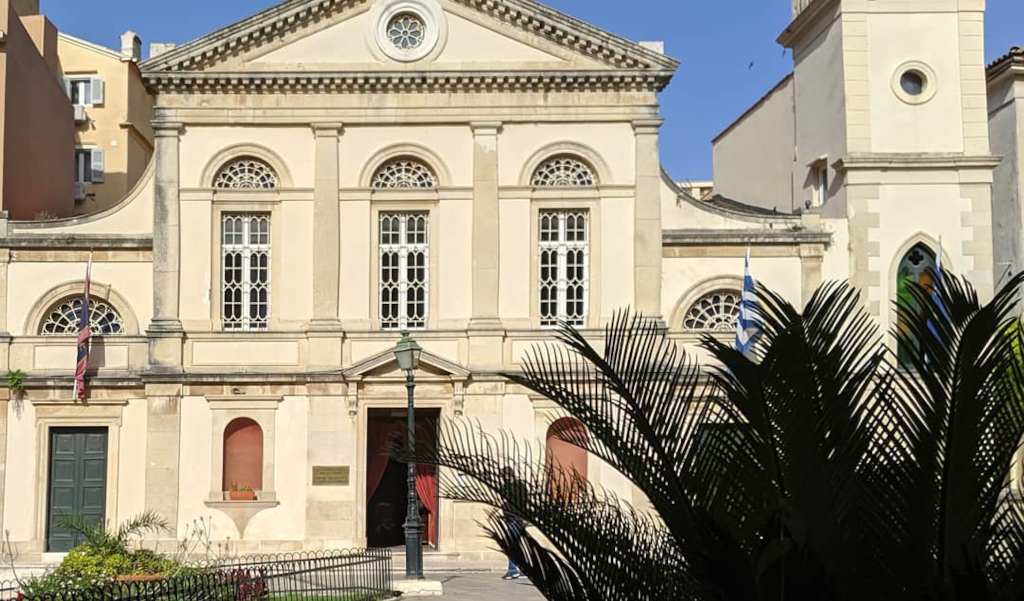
(79, 191)
(80, 116)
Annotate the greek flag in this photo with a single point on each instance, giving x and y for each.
(748, 326)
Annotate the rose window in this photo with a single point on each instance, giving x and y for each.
(406, 32)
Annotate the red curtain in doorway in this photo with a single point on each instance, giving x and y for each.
(378, 436)
(426, 489)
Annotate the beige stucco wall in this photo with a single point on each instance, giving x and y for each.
(1006, 128)
(820, 96)
(120, 126)
(753, 159)
(934, 39)
(28, 423)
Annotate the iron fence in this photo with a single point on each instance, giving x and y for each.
(363, 575)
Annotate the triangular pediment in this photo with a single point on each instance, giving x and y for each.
(342, 36)
(383, 365)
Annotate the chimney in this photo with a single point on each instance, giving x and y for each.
(658, 47)
(158, 48)
(131, 47)
(25, 8)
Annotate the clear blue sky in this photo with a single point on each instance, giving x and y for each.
(715, 40)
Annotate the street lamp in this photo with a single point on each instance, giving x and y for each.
(407, 353)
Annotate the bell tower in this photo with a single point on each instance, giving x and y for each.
(890, 107)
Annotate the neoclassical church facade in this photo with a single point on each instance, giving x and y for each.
(328, 173)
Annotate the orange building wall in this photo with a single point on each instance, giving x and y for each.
(37, 130)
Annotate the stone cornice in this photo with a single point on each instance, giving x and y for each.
(804, 21)
(404, 82)
(907, 161)
(276, 22)
(743, 237)
(77, 242)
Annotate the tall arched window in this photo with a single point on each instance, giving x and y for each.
(714, 312)
(246, 173)
(403, 174)
(63, 318)
(563, 172)
(916, 267)
(243, 455)
(566, 455)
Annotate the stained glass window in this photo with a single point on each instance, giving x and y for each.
(916, 267)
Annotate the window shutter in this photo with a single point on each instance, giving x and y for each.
(97, 166)
(66, 84)
(97, 90)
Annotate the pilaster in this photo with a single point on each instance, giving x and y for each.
(163, 443)
(4, 408)
(325, 330)
(165, 332)
(486, 332)
(5, 337)
(812, 258)
(486, 226)
(647, 220)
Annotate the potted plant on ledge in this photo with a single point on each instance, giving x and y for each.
(241, 492)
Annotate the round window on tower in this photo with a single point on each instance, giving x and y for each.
(914, 83)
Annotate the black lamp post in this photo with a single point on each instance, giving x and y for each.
(407, 352)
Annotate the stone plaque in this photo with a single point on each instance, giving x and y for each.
(330, 475)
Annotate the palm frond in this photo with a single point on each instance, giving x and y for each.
(595, 532)
(964, 383)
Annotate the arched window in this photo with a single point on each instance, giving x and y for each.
(916, 267)
(404, 174)
(243, 455)
(563, 172)
(246, 173)
(566, 455)
(62, 319)
(714, 312)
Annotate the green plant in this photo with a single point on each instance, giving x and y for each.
(113, 542)
(16, 382)
(241, 488)
(817, 468)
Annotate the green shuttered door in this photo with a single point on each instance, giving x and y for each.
(78, 481)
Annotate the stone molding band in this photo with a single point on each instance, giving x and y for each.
(424, 81)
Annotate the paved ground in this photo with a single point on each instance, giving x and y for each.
(486, 587)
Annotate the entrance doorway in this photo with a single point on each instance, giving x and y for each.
(386, 478)
(78, 482)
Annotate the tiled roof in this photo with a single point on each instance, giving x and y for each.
(1014, 57)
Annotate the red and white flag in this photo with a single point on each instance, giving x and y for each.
(84, 332)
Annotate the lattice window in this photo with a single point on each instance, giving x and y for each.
(564, 265)
(563, 172)
(714, 312)
(404, 270)
(245, 288)
(406, 31)
(62, 318)
(404, 174)
(246, 174)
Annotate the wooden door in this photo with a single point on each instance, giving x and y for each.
(78, 482)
